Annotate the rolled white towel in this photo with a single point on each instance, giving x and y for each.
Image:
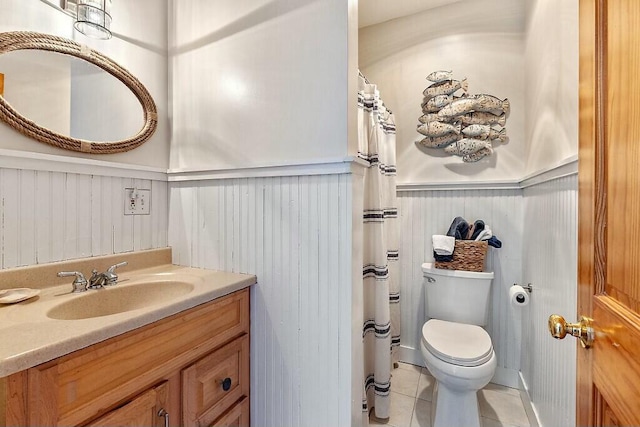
(485, 234)
(443, 245)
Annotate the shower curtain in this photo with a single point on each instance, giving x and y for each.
(381, 323)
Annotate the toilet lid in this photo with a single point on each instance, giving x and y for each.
(457, 343)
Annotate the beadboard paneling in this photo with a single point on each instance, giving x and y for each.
(550, 263)
(424, 213)
(294, 234)
(54, 216)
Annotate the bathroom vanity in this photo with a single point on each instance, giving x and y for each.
(189, 368)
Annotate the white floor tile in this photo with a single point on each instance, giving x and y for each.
(503, 407)
(401, 410)
(502, 389)
(409, 367)
(499, 406)
(405, 381)
(421, 414)
(488, 422)
(425, 386)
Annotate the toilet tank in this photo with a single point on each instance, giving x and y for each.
(456, 296)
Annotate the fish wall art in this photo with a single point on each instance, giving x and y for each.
(465, 125)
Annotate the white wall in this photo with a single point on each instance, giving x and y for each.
(550, 260)
(50, 213)
(294, 233)
(481, 40)
(548, 366)
(139, 45)
(551, 82)
(266, 83)
(259, 82)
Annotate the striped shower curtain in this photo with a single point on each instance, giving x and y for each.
(381, 323)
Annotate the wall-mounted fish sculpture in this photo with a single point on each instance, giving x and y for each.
(478, 155)
(477, 131)
(486, 132)
(446, 87)
(467, 146)
(437, 102)
(439, 141)
(462, 126)
(457, 108)
(481, 118)
(429, 117)
(499, 135)
(438, 129)
(493, 105)
(438, 76)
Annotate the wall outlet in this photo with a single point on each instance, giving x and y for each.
(137, 201)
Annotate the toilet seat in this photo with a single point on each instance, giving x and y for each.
(457, 343)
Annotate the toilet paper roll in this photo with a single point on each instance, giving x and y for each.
(518, 296)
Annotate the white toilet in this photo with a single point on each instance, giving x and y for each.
(456, 349)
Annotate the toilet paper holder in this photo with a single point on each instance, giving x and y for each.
(528, 287)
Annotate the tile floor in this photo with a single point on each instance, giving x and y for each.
(411, 401)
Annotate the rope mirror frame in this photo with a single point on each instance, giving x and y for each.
(26, 40)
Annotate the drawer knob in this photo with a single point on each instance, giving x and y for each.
(226, 384)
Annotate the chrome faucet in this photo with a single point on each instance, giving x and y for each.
(79, 283)
(108, 278)
(96, 281)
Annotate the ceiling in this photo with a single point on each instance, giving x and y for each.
(371, 12)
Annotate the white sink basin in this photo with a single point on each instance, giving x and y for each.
(119, 299)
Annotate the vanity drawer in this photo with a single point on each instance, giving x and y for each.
(238, 416)
(89, 382)
(215, 383)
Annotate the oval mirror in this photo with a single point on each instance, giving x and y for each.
(65, 94)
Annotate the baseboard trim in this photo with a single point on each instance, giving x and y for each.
(506, 377)
(529, 407)
(411, 355)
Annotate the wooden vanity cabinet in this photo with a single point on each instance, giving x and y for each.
(148, 409)
(193, 365)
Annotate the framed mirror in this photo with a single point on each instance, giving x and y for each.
(72, 86)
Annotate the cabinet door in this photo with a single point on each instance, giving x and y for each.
(238, 416)
(215, 383)
(145, 410)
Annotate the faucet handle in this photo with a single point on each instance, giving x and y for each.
(111, 276)
(112, 269)
(79, 283)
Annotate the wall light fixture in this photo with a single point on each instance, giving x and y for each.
(94, 18)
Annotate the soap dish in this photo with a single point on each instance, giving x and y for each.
(11, 296)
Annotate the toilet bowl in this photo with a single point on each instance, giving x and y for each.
(461, 359)
(456, 349)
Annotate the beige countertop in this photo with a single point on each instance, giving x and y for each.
(28, 337)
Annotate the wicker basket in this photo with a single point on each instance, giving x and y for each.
(468, 255)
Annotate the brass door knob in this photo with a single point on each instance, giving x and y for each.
(559, 328)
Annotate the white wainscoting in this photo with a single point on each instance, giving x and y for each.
(550, 263)
(49, 216)
(424, 213)
(295, 234)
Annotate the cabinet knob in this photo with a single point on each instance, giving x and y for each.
(226, 384)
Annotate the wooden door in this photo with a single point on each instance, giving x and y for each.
(144, 410)
(608, 376)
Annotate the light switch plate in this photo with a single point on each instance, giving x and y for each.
(137, 201)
